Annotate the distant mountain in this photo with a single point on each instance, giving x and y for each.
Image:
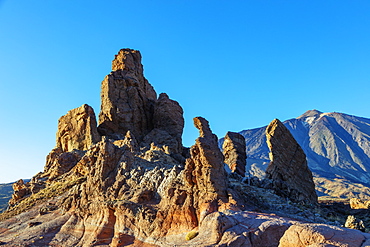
(337, 146)
(6, 192)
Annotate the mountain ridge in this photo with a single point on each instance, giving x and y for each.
(337, 145)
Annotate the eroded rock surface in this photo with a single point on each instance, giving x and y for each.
(77, 129)
(127, 98)
(168, 116)
(288, 168)
(20, 190)
(234, 151)
(204, 169)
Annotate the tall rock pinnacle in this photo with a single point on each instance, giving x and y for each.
(205, 168)
(288, 168)
(127, 98)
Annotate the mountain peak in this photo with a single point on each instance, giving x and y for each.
(310, 113)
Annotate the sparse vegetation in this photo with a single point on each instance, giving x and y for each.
(190, 235)
(51, 191)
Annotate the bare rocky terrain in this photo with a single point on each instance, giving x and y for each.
(126, 180)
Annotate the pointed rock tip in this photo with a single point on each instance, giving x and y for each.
(310, 113)
(276, 123)
(127, 59)
(202, 125)
(163, 96)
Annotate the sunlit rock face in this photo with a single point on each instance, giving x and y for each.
(77, 129)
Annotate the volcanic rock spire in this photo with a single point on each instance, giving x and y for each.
(288, 168)
(127, 98)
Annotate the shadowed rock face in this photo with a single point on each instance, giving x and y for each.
(288, 168)
(168, 116)
(234, 152)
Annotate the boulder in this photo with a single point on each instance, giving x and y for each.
(20, 190)
(353, 223)
(234, 151)
(301, 235)
(77, 129)
(288, 170)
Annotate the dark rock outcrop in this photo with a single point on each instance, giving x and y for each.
(288, 168)
(234, 152)
(168, 116)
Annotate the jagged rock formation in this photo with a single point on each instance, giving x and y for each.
(77, 129)
(234, 152)
(288, 168)
(133, 188)
(20, 190)
(129, 103)
(204, 170)
(127, 98)
(59, 162)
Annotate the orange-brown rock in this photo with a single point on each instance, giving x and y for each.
(151, 198)
(356, 203)
(288, 168)
(77, 129)
(204, 170)
(234, 151)
(129, 141)
(20, 190)
(59, 162)
(127, 98)
(129, 103)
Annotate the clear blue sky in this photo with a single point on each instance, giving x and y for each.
(239, 64)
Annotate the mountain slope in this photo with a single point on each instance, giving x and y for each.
(337, 146)
(6, 192)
